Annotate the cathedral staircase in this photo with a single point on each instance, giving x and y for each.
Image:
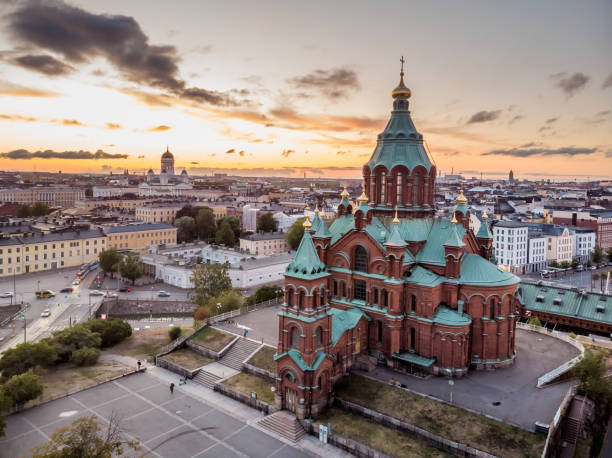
(206, 379)
(238, 353)
(284, 424)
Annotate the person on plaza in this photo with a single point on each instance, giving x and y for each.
(171, 387)
(139, 364)
(244, 334)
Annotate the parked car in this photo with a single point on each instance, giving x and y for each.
(45, 313)
(163, 294)
(95, 292)
(593, 267)
(113, 294)
(76, 282)
(67, 289)
(44, 294)
(125, 289)
(6, 294)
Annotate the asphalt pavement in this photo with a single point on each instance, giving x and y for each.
(571, 278)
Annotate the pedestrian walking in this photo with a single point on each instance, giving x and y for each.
(244, 334)
(171, 387)
(139, 364)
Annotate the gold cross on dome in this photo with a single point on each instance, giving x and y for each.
(402, 61)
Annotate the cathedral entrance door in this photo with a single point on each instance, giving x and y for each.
(358, 345)
(290, 399)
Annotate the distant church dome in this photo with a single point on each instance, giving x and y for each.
(167, 154)
(184, 172)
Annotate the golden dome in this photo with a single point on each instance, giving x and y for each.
(307, 224)
(461, 199)
(322, 212)
(484, 215)
(344, 193)
(362, 198)
(454, 220)
(316, 208)
(401, 91)
(396, 219)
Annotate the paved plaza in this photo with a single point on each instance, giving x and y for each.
(167, 425)
(261, 324)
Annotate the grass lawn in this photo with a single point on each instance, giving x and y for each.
(144, 344)
(68, 378)
(264, 359)
(381, 438)
(187, 358)
(450, 422)
(212, 338)
(246, 383)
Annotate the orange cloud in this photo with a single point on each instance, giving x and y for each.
(161, 128)
(16, 90)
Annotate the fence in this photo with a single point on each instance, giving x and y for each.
(160, 361)
(244, 398)
(249, 308)
(344, 443)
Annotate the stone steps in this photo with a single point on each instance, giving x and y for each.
(284, 424)
(238, 353)
(206, 379)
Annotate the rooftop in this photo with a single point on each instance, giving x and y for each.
(138, 228)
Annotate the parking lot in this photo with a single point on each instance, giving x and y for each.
(167, 425)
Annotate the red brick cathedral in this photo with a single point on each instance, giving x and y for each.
(390, 283)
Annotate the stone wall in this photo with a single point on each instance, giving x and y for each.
(254, 370)
(244, 398)
(349, 445)
(140, 308)
(160, 361)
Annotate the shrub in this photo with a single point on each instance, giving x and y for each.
(85, 356)
(112, 330)
(229, 300)
(174, 332)
(25, 356)
(535, 321)
(572, 335)
(23, 388)
(201, 313)
(265, 293)
(74, 338)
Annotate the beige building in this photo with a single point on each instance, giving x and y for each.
(52, 196)
(559, 245)
(157, 212)
(141, 237)
(266, 243)
(39, 252)
(115, 204)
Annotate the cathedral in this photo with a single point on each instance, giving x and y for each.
(166, 183)
(390, 283)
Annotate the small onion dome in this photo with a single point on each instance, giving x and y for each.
(307, 224)
(454, 220)
(150, 172)
(401, 91)
(484, 215)
(344, 193)
(323, 212)
(396, 219)
(316, 208)
(461, 199)
(184, 172)
(362, 199)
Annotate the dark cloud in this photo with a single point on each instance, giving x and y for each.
(551, 120)
(516, 118)
(484, 116)
(141, 157)
(230, 151)
(544, 128)
(241, 153)
(287, 152)
(113, 126)
(570, 84)
(532, 151)
(17, 118)
(334, 83)
(79, 36)
(194, 162)
(44, 63)
(50, 154)
(342, 153)
(608, 82)
(72, 122)
(161, 128)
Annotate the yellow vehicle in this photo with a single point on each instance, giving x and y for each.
(45, 293)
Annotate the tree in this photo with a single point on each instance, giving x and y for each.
(5, 406)
(86, 439)
(24, 211)
(131, 267)
(265, 293)
(89, 192)
(295, 233)
(226, 301)
(85, 356)
(597, 255)
(187, 210)
(111, 330)
(205, 223)
(186, 229)
(23, 388)
(575, 263)
(74, 338)
(25, 356)
(110, 260)
(210, 279)
(201, 313)
(174, 332)
(225, 235)
(40, 209)
(535, 321)
(234, 223)
(267, 223)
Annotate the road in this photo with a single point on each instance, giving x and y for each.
(581, 280)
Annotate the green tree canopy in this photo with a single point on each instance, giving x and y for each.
(187, 230)
(295, 233)
(228, 300)
(110, 260)
(265, 293)
(85, 356)
(24, 211)
(5, 406)
(174, 332)
(74, 338)
(23, 388)
(267, 223)
(597, 254)
(234, 223)
(210, 279)
(609, 254)
(225, 235)
(40, 209)
(131, 267)
(111, 330)
(26, 356)
(187, 210)
(205, 224)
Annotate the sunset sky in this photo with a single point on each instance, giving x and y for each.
(287, 87)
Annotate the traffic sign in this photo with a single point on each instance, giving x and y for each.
(21, 317)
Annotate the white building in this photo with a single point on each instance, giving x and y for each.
(284, 221)
(166, 183)
(510, 244)
(584, 243)
(536, 252)
(113, 191)
(249, 218)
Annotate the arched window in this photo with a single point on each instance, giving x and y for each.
(373, 188)
(361, 259)
(290, 297)
(380, 331)
(322, 299)
(385, 298)
(319, 383)
(314, 300)
(413, 303)
(301, 299)
(416, 198)
(398, 192)
(375, 296)
(492, 309)
(343, 289)
(295, 337)
(383, 185)
(335, 288)
(318, 336)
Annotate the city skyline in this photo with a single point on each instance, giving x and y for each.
(91, 87)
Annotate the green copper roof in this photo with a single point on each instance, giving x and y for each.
(364, 207)
(316, 221)
(445, 315)
(453, 238)
(476, 270)
(341, 226)
(566, 301)
(377, 230)
(400, 143)
(432, 252)
(306, 263)
(411, 357)
(415, 229)
(395, 238)
(461, 208)
(422, 276)
(323, 230)
(297, 357)
(343, 320)
(484, 232)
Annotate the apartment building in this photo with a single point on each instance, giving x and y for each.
(585, 240)
(598, 220)
(39, 252)
(141, 237)
(265, 243)
(157, 212)
(113, 191)
(249, 218)
(559, 243)
(536, 252)
(52, 196)
(510, 244)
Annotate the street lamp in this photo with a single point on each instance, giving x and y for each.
(218, 308)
